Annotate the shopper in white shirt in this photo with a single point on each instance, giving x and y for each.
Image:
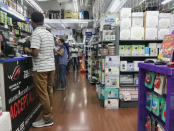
(74, 55)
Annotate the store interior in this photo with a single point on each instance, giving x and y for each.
(124, 74)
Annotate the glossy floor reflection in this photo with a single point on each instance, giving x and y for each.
(77, 109)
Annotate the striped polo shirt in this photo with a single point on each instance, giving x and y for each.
(43, 40)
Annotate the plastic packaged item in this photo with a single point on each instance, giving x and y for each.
(149, 80)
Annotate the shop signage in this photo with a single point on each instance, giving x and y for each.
(19, 93)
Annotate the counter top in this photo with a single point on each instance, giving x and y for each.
(162, 69)
(13, 59)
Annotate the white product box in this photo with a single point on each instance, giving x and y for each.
(126, 79)
(151, 19)
(164, 20)
(121, 50)
(123, 66)
(172, 21)
(125, 34)
(112, 81)
(127, 50)
(5, 122)
(141, 50)
(125, 13)
(125, 23)
(152, 45)
(136, 68)
(153, 51)
(130, 66)
(111, 103)
(137, 19)
(137, 33)
(112, 61)
(151, 33)
(112, 70)
(162, 33)
(135, 50)
(127, 94)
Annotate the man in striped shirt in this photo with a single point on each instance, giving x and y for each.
(42, 46)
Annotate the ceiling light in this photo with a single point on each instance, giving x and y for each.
(165, 2)
(34, 5)
(75, 5)
(116, 5)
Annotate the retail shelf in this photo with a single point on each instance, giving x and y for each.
(128, 104)
(140, 41)
(126, 85)
(11, 12)
(128, 71)
(138, 56)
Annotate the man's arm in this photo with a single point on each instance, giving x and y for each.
(33, 52)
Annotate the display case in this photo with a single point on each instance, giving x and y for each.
(155, 97)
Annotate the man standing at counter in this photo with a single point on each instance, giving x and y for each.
(42, 46)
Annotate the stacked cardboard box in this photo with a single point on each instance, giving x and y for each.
(109, 92)
(67, 14)
(125, 24)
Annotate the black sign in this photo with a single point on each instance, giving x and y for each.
(20, 95)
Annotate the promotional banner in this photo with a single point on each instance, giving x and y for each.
(19, 93)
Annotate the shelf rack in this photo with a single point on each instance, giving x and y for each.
(142, 111)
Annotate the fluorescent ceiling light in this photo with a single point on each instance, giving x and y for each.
(142, 2)
(34, 5)
(165, 2)
(116, 5)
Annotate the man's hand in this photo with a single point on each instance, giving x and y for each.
(27, 50)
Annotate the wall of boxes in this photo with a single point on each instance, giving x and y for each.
(150, 25)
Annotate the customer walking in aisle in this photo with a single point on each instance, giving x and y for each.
(62, 63)
(42, 46)
(74, 55)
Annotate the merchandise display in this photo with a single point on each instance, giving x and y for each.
(123, 58)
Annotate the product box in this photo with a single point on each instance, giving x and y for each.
(125, 13)
(136, 68)
(129, 94)
(75, 15)
(123, 66)
(125, 34)
(112, 81)
(135, 50)
(137, 33)
(162, 33)
(125, 23)
(126, 79)
(153, 52)
(136, 77)
(111, 103)
(147, 51)
(151, 19)
(110, 93)
(130, 66)
(152, 45)
(172, 20)
(141, 49)
(137, 19)
(68, 14)
(112, 70)
(164, 20)
(112, 61)
(151, 33)
(127, 50)
(121, 50)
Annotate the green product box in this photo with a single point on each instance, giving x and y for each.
(127, 50)
(149, 80)
(141, 49)
(163, 108)
(157, 104)
(2, 17)
(5, 18)
(110, 93)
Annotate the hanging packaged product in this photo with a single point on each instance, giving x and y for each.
(159, 84)
(149, 100)
(149, 80)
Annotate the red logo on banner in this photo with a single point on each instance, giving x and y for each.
(16, 74)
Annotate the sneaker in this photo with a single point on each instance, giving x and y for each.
(42, 123)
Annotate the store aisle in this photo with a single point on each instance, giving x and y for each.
(77, 109)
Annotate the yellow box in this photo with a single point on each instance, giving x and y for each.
(68, 14)
(75, 15)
